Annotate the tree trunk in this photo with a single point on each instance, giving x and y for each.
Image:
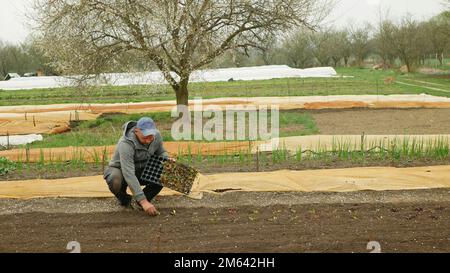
(182, 93)
(335, 62)
(440, 58)
(266, 57)
(391, 61)
(408, 67)
(360, 62)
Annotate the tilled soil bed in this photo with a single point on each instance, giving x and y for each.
(240, 222)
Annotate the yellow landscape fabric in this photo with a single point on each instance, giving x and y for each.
(333, 180)
(40, 122)
(23, 127)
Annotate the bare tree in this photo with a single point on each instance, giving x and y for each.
(178, 36)
(7, 59)
(297, 49)
(384, 42)
(339, 46)
(346, 46)
(20, 59)
(408, 42)
(322, 46)
(446, 12)
(360, 43)
(268, 49)
(437, 34)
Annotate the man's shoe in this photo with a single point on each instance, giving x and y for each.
(124, 200)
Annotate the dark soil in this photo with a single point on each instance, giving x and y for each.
(382, 121)
(370, 121)
(338, 227)
(401, 221)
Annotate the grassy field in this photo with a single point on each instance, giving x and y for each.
(433, 63)
(363, 82)
(107, 129)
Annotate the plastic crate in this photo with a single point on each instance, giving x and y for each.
(170, 174)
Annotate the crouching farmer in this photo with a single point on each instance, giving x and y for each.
(140, 140)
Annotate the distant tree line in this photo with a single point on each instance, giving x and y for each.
(28, 58)
(407, 42)
(21, 59)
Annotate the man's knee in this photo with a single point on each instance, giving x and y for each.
(114, 179)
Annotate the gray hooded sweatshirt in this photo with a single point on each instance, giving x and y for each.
(131, 157)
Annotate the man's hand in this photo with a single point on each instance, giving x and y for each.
(148, 207)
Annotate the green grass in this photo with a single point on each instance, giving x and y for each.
(397, 151)
(421, 80)
(433, 63)
(6, 166)
(365, 81)
(305, 120)
(107, 129)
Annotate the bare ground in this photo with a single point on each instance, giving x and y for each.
(382, 121)
(401, 221)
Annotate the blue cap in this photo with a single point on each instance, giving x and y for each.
(147, 126)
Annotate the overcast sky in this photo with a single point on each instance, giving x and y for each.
(359, 11)
(13, 28)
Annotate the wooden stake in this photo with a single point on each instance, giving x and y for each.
(27, 153)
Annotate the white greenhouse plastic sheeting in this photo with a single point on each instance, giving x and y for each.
(19, 140)
(215, 75)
